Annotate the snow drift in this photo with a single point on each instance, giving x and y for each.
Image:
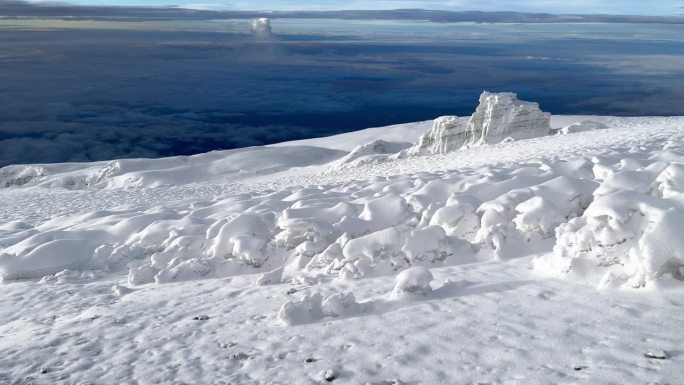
(599, 204)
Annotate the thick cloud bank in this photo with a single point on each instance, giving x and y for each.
(204, 11)
(120, 90)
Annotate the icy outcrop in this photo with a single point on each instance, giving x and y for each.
(498, 117)
(444, 129)
(100, 177)
(18, 175)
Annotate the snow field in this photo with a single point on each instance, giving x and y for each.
(608, 216)
(332, 267)
(482, 323)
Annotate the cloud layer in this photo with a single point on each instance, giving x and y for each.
(513, 11)
(170, 88)
(624, 7)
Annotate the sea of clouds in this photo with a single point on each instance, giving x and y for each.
(93, 90)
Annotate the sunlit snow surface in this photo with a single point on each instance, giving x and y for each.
(555, 260)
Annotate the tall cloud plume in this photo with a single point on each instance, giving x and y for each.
(262, 27)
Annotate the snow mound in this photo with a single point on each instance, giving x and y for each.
(364, 253)
(47, 258)
(270, 278)
(244, 237)
(341, 304)
(627, 234)
(385, 211)
(415, 280)
(499, 116)
(376, 150)
(314, 307)
(305, 310)
(585, 125)
(537, 215)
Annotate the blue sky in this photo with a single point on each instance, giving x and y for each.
(634, 7)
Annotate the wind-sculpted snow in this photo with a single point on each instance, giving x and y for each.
(585, 125)
(228, 166)
(20, 175)
(302, 272)
(377, 150)
(627, 236)
(599, 211)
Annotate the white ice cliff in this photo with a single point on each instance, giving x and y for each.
(499, 116)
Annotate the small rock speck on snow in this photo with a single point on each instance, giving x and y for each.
(329, 375)
(656, 354)
(240, 356)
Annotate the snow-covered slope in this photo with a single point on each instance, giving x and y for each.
(215, 167)
(547, 260)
